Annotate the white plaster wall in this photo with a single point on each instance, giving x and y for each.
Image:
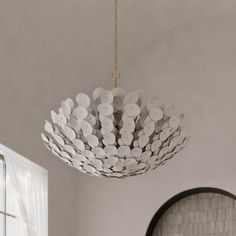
(183, 50)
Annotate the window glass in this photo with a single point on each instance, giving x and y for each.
(1, 187)
(26, 196)
(12, 194)
(15, 227)
(2, 223)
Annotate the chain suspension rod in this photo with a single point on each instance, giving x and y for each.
(116, 73)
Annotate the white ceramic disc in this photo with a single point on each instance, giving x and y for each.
(153, 159)
(124, 131)
(127, 139)
(168, 110)
(87, 128)
(54, 146)
(69, 133)
(174, 122)
(132, 109)
(148, 147)
(48, 127)
(166, 157)
(176, 141)
(183, 133)
(98, 152)
(143, 140)
(112, 160)
(80, 113)
(118, 92)
(117, 169)
(106, 170)
(149, 128)
(116, 175)
(54, 116)
(148, 120)
(91, 119)
(89, 169)
(185, 141)
(92, 140)
(65, 155)
(129, 124)
(98, 164)
(69, 149)
(156, 114)
(109, 138)
(79, 144)
(123, 151)
(75, 124)
(44, 138)
(141, 171)
(140, 133)
(80, 157)
(59, 139)
(107, 96)
(153, 103)
(129, 161)
(70, 102)
(106, 165)
(146, 154)
(131, 97)
(165, 133)
(61, 120)
(107, 124)
(140, 166)
(156, 145)
(119, 165)
(178, 148)
(110, 150)
(88, 154)
(105, 109)
(83, 100)
(136, 152)
(97, 93)
(66, 108)
(77, 164)
(164, 151)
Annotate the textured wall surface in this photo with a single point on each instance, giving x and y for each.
(203, 214)
(184, 51)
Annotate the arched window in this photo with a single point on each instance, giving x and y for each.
(201, 211)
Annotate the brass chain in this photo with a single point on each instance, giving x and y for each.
(116, 73)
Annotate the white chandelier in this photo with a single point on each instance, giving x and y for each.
(114, 134)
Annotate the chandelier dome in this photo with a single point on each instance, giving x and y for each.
(114, 134)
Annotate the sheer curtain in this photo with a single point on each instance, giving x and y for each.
(27, 196)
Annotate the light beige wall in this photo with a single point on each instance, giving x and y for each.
(183, 50)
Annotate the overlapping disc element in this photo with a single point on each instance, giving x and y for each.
(113, 134)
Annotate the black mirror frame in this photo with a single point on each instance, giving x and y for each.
(180, 196)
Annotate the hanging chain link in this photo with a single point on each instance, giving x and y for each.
(116, 73)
